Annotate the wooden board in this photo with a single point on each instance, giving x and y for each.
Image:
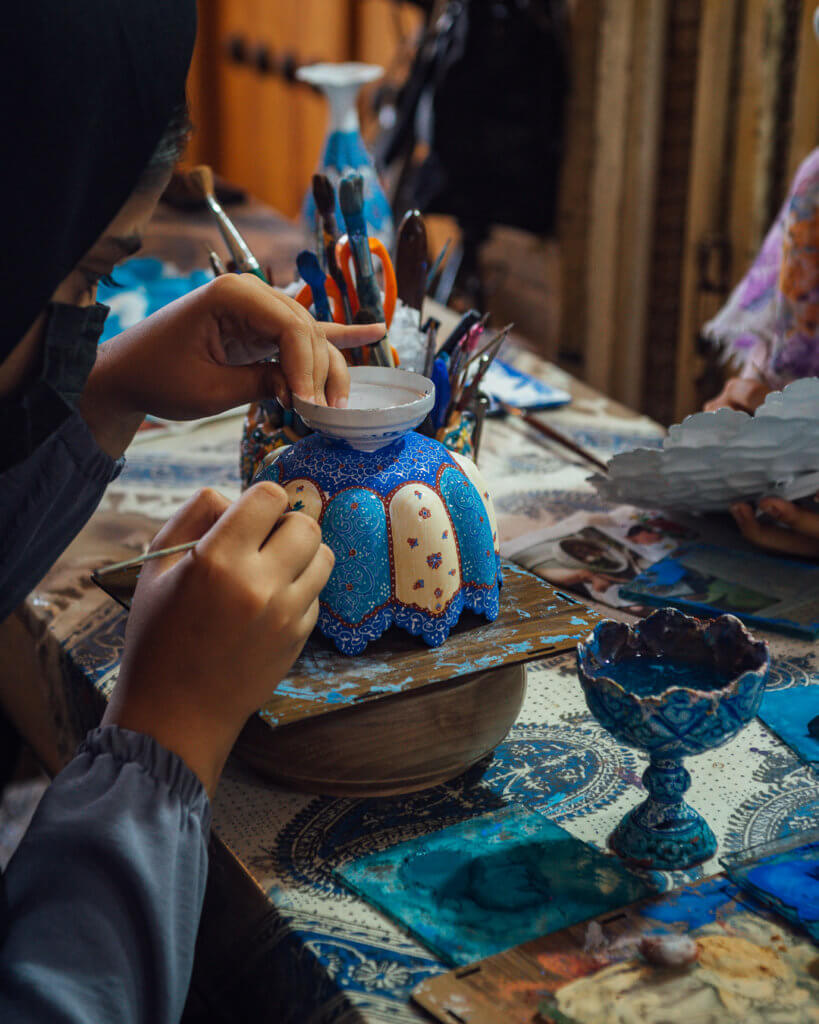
(516, 986)
(535, 620)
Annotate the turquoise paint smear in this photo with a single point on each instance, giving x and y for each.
(484, 885)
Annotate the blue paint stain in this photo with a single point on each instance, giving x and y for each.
(693, 906)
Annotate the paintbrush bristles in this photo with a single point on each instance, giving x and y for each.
(351, 195)
(201, 177)
(324, 195)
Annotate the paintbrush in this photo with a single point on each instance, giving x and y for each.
(555, 435)
(216, 264)
(484, 362)
(461, 329)
(411, 260)
(201, 178)
(324, 196)
(430, 328)
(436, 266)
(149, 556)
(351, 196)
(492, 347)
(310, 271)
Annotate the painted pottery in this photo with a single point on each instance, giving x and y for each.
(344, 150)
(411, 524)
(671, 686)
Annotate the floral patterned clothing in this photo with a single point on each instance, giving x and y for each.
(770, 324)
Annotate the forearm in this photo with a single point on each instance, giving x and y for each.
(105, 891)
(107, 408)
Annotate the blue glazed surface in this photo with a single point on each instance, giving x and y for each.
(356, 491)
(484, 885)
(788, 712)
(671, 720)
(788, 882)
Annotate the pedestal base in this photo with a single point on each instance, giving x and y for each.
(678, 837)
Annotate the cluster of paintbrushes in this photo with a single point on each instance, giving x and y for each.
(335, 293)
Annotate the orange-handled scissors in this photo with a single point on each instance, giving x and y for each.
(304, 297)
(344, 258)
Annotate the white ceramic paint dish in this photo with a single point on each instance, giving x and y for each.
(385, 403)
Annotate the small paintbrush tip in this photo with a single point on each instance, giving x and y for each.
(309, 267)
(324, 194)
(201, 178)
(351, 194)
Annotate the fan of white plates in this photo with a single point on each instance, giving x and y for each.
(713, 459)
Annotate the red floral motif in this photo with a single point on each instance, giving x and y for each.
(354, 505)
(412, 541)
(300, 488)
(418, 494)
(438, 593)
(352, 552)
(480, 518)
(434, 560)
(451, 572)
(424, 513)
(438, 607)
(349, 586)
(418, 585)
(444, 535)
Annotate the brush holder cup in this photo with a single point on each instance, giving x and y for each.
(671, 686)
(411, 524)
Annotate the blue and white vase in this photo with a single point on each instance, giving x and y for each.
(344, 149)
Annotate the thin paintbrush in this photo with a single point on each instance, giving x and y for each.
(216, 264)
(555, 435)
(310, 271)
(351, 196)
(201, 178)
(485, 359)
(325, 199)
(436, 266)
(149, 556)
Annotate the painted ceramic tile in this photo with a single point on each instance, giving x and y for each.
(783, 876)
(487, 884)
(787, 713)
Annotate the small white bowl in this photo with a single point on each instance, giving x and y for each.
(385, 403)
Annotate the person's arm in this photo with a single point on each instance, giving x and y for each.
(202, 354)
(105, 891)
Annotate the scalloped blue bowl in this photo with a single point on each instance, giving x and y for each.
(413, 530)
(671, 686)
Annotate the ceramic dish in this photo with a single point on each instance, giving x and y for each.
(713, 459)
(384, 404)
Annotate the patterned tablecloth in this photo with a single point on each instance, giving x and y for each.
(324, 954)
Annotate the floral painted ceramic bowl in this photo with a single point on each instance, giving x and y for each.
(411, 524)
(672, 686)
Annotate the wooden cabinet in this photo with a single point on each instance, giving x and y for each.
(256, 126)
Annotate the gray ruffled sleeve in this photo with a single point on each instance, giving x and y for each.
(105, 892)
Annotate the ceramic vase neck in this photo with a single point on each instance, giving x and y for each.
(343, 107)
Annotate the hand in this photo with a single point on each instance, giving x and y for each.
(740, 393)
(200, 355)
(796, 531)
(213, 631)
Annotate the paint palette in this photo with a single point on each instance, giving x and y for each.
(751, 969)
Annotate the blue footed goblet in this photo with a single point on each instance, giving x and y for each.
(671, 686)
